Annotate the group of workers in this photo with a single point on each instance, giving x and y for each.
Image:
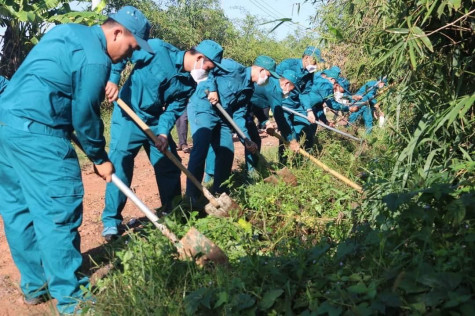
(57, 91)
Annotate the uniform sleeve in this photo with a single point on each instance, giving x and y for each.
(116, 70)
(334, 105)
(168, 118)
(239, 117)
(210, 83)
(89, 83)
(3, 84)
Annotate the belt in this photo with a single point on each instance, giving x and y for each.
(27, 125)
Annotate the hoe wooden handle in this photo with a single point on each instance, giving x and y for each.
(146, 129)
(319, 163)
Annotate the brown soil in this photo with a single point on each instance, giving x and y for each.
(143, 184)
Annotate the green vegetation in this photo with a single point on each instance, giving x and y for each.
(405, 246)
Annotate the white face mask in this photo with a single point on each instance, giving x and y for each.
(262, 81)
(338, 96)
(311, 68)
(285, 93)
(199, 74)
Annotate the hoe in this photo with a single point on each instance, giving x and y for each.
(218, 207)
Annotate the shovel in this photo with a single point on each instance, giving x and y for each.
(288, 110)
(284, 173)
(339, 176)
(194, 245)
(218, 207)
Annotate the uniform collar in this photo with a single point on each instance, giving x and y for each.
(248, 76)
(180, 60)
(97, 30)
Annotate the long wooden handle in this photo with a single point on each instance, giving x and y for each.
(319, 163)
(331, 171)
(146, 129)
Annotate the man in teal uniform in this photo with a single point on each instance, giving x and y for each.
(157, 90)
(366, 95)
(322, 92)
(272, 95)
(62, 84)
(233, 88)
(300, 99)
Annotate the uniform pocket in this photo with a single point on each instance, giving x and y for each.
(66, 201)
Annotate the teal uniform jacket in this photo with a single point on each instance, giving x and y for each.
(368, 92)
(57, 89)
(304, 84)
(300, 100)
(271, 95)
(235, 89)
(157, 90)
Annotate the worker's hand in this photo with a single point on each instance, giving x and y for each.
(311, 117)
(162, 142)
(112, 91)
(105, 170)
(251, 146)
(353, 108)
(331, 124)
(294, 145)
(357, 97)
(213, 97)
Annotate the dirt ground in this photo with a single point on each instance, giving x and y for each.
(143, 184)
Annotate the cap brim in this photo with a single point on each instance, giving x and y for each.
(219, 66)
(274, 74)
(144, 45)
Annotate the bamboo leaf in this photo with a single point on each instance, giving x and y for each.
(390, 53)
(423, 37)
(429, 11)
(412, 56)
(398, 30)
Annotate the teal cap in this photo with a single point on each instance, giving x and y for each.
(267, 63)
(314, 52)
(331, 73)
(336, 68)
(133, 20)
(213, 51)
(291, 76)
(344, 83)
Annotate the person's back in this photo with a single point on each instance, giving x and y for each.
(50, 84)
